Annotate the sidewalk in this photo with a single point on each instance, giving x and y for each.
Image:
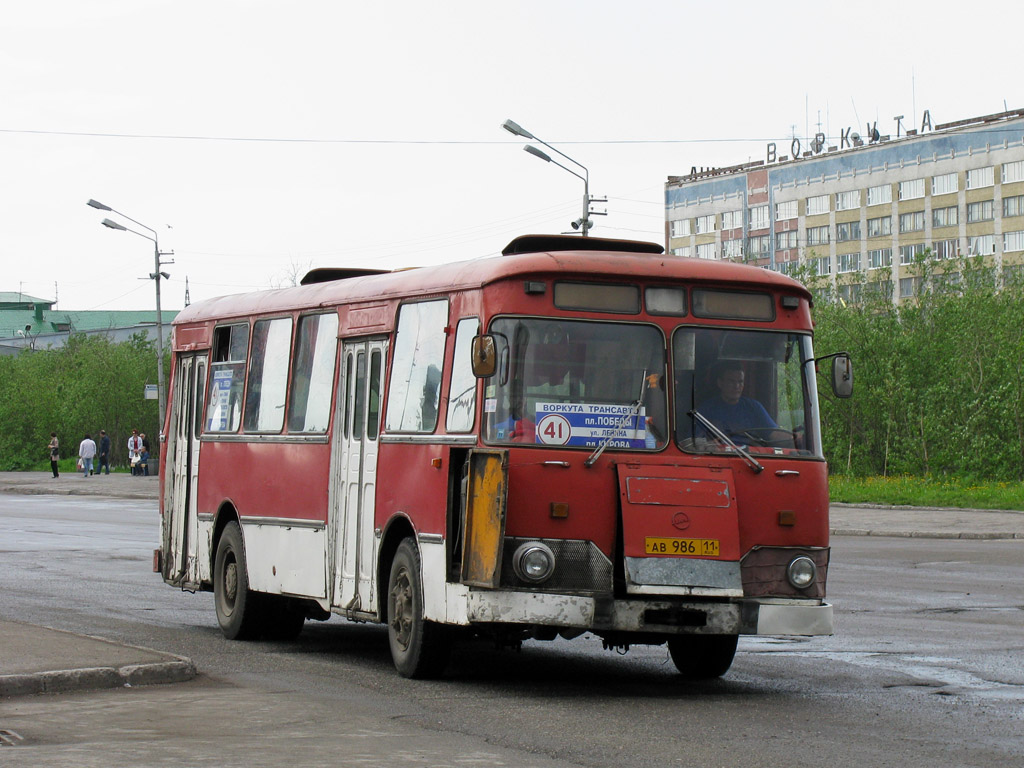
(33, 659)
(42, 660)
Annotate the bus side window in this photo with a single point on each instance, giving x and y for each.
(414, 386)
(316, 345)
(227, 376)
(267, 382)
(462, 393)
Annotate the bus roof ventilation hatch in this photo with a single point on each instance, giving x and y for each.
(545, 243)
(327, 274)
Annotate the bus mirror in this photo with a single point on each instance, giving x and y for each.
(842, 375)
(485, 357)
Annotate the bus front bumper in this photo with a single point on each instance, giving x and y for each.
(743, 616)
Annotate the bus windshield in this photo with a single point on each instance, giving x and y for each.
(755, 387)
(577, 384)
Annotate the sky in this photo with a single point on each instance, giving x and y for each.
(260, 139)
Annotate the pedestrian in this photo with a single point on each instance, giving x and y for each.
(104, 460)
(134, 449)
(144, 456)
(54, 453)
(86, 453)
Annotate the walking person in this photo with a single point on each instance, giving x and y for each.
(86, 453)
(134, 451)
(54, 453)
(104, 460)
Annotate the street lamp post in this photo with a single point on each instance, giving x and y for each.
(583, 223)
(155, 276)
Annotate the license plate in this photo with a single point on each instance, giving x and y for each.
(683, 547)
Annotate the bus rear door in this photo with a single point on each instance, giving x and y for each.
(180, 523)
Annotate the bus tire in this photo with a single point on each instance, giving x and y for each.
(702, 657)
(238, 607)
(419, 648)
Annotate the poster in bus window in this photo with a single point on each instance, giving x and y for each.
(220, 396)
(586, 425)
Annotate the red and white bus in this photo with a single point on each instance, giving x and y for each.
(579, 435)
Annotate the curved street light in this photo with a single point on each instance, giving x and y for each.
(583, 223)
(155, 276)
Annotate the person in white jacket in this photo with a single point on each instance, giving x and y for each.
(134, 451)
(86, 453)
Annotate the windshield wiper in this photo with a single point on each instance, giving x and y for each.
(710, 427)
(631, 413)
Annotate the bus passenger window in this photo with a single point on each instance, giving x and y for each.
(462, 393)
(268, 375)
(316, 345)
(227, 376)
(414, 386)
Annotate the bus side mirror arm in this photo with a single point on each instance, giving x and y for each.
(842, 373)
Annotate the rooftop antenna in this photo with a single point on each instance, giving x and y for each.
(187, 300)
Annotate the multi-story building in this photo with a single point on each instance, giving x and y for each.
(864, 211)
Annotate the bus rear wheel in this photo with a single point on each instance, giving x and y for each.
(702, 657)
(238, 608)
(419, 648)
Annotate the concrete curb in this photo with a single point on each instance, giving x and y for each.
(169, 669)
(926, 534)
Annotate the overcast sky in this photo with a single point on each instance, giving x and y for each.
(262, 138)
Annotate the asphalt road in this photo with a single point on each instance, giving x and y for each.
(926, 669)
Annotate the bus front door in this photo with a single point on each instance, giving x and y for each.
(180, 563)
(354, 476)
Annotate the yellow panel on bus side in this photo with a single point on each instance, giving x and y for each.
(484, 517)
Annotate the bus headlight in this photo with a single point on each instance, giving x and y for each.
(801, 572)
(534, 562)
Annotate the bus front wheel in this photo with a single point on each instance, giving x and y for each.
(702, 657)
(419, 648)
(238, 608)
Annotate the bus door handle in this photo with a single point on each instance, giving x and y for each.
(787, 473)
(555, 464)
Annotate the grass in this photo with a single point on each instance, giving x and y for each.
(927, 492)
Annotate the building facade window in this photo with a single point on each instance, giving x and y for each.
(980, 177)
(705, 224)
(685, 252)
(911, 190)
(912, 222)
(785, 240)
(945, 184)
(817, 235)
(759, 246)
(732, 219)
(979, 211)
(945, 217)
(850, 293)
(759, 217)
(848, 230)
(821, 266)
(1013, 241)
(732, 249)
(909, 287)
(848, 201)
(879, 258)
(787, 210)
(910, 252)
(879, 195)
(1013, 206)
(1013, 172)
(848, 262)
(880, 227)
(981, 245)
(945, 249)
(817, 205)
(679, 228)
(706, 251)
